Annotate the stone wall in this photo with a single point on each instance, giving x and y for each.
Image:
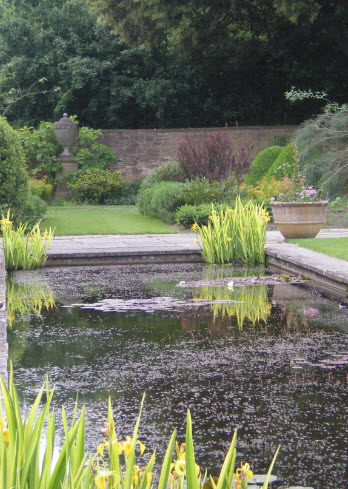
(140, 151)
(3, 319)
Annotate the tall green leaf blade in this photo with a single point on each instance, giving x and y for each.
(265, 484)
(131, 458)
(163, 480)
(225, 477)
(191, 476)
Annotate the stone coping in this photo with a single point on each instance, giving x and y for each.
(117, 249)
(290, 128)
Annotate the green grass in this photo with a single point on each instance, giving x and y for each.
(336, 247)
(70, 220)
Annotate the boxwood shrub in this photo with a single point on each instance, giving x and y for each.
(284, 164)
(161, 200)
(262, 164)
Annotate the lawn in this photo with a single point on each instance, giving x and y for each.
(70, 220)
(336, 247)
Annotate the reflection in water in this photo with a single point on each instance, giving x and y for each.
(229, 377)
(251, 303)
(25, 299)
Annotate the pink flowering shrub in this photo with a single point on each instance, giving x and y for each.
(212, 156)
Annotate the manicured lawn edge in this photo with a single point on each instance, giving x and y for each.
(335, 247)
(82, 220)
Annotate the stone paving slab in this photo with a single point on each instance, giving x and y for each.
(122, 243)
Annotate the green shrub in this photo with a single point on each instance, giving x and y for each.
(167, 172)
(201, 191)
(128, 193)
(280, 139)
(284, 164)
(40, 188)
(95, 186)
(230, 188)
(262, 164)
(161, 200)
(187, 215)
(13, 175)
(31, 211)
(323, 147)
(41, 150)
(90, 153)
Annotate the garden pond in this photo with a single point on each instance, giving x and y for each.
(269, 360)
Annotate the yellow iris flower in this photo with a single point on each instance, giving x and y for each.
(100, 479)
(6, 436)
(117, 446)
(100, 449)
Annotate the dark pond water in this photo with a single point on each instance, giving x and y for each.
(281, 379)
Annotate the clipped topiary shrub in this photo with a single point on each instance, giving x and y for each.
(262, 163)
(13, 175)
(284, 164)
(161, 200)
(167, 172)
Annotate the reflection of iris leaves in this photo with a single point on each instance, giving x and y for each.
(27, 299)
(251, 304)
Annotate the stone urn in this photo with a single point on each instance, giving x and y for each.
(299, 219)
(66, 132)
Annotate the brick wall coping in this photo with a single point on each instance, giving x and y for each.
(209, 129)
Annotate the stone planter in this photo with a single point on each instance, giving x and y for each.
(299, 219)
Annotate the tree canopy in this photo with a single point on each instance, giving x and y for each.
(181, 63)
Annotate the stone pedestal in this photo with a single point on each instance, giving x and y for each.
(69, 165)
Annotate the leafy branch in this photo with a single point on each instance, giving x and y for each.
(296, 95)
(11, 92)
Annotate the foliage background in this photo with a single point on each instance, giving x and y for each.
(165, 64)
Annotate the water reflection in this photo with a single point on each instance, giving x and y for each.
(228, 376)
(24, 299)
(251, 303)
